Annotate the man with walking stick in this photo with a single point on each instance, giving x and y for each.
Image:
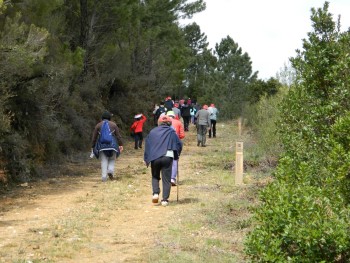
(162, 147)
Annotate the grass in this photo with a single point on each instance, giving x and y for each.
(208, 224)
(214, 229)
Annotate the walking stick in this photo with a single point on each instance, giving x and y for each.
(177, 182)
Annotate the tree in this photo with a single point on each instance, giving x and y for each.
(64, 62)
(201, 62)
(305, 212)
(260, 88)
(235, 70)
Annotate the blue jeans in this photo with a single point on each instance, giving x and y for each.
(107, 164)
(174, 169)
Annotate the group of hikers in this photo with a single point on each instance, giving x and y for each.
(163, 144)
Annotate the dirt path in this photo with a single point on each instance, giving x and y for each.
(80, 219)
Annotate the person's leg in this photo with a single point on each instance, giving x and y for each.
(213, 122)
(199, 134)
(140, 139)
(174, 172)
(187, 122)
(210, 130)
(111, 165)
(167, 164)
(136, 138)
(204, 132)
(155, 168)
(104, 165)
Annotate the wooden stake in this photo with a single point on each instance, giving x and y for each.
(239, 164)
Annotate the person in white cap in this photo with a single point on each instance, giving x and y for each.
(136, 128)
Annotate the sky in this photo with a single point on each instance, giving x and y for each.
(268, 30)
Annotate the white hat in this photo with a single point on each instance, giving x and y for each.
(138, 116)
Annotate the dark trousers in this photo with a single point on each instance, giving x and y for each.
(186, 122)
(163, 164)
(201, 134)
(138, 137)
(213, 128)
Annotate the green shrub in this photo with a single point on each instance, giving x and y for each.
(262, 119)
(300, 224)
(304, 213)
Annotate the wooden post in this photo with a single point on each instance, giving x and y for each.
(239, 126)
(239, 164)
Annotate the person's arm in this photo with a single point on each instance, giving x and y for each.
(94, 136)
(133, 126)
(181, 132)
(118, 136)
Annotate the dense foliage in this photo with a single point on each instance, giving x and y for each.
(62, 63)
(304, 215)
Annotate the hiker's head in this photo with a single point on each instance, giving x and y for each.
(138, 116)
(164, 120)
(106, 115)
(212, 105)
(205, 106)
(171, 114)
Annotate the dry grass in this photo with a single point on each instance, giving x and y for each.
(80, 219)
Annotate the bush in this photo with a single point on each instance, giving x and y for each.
(300, 224)
(262, 118)
(304, 214)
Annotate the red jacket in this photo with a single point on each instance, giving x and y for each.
(137, 126)
(179, 128)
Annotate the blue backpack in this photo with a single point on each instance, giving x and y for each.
(106, 136)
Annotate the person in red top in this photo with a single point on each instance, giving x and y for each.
(180, 132)
(137, 128)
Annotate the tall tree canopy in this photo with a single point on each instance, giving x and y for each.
(63, 62)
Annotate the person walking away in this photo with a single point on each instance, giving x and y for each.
(107, 152)
(213, 112)
(137, 128)
(177, 111)
(160, 110)
(186, 115)
(193, 112)
(197, 107)
(179, 129)
(155, 120)
(168, 104)
(162, 146)
(203, 123)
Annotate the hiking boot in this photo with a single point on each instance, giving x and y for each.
(110, 175)
(165, 203)
(155, 198)
(198, 143)
(204, 145)
(173, 182)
